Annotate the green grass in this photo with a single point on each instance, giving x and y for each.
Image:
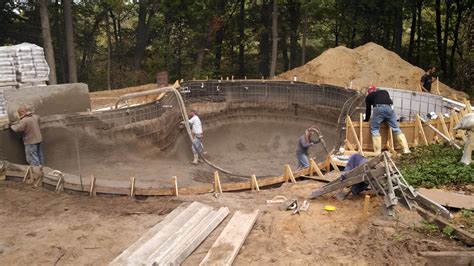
(436, 165)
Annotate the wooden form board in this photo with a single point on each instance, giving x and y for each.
(449, 199)
(104, 186)
(227, 246)
(408, 128)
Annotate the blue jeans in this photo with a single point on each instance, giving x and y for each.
(303, 161)
(197, 145)
(34, 154)
(381, 114)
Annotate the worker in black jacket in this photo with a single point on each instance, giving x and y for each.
(382, 105)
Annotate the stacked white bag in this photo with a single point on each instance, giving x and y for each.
(23, 65)
(7, 67)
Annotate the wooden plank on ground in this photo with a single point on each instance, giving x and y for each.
(461, 234)
(184, 247)
(122, 258)
(449, 199)
(229, 242)
(461, 257)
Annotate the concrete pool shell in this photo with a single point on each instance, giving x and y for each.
(250, 127)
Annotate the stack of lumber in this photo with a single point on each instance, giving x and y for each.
(172, 240)
(23, 65)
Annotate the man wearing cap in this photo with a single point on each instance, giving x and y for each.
(29, 127)
(304, 143)
(196, 129)
(382, 104)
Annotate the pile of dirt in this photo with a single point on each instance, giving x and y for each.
(102, 99)
(369, 64)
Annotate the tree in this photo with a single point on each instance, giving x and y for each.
(274, 38)
(146, 11)
(69, 29)
(242, 39)
(47, 41)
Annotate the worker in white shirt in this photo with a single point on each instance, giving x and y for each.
(196, 129)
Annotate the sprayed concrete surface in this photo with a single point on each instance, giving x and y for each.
(246, 145)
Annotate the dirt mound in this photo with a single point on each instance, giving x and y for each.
(370, 64)
(101, 99)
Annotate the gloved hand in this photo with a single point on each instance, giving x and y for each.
(315, 141)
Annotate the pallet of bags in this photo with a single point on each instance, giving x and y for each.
(31, 65)
(7, 67)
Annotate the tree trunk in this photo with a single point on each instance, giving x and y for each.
(284, 51)
(445, 37)
(219, 37)
(439, 40)
(411, 45)
(142, 31)
(47, 41)
(241, 39)
(61, 69)
(305, 31)
(459, 12)
(89, 43)
(418, 40)
(398, 30)
(264, 39)
(274, 39)
(109, 44)
(71, 57)
(294, 12)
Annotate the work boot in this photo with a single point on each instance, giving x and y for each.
(377, 143)
(402, 140)
(196, 159)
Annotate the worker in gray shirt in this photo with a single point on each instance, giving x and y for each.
(29, 127)
(302, 149)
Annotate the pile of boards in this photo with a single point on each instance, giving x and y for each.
(23, 65)
(172, 240)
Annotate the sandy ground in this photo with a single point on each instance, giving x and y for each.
(242, 145)
(44, 228)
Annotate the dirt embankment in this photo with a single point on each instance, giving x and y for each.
(369, 64)
(102, 99)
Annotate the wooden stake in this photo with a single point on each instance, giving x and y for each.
(361, 121)
(60, 185)
(39, 179)
(313, 167)
(416, 135)
(391, 145)
(333, 163)
(27, 174)
(176, 189)
(468, 106)
(217, 183)
(289, 174)
(349, 145)
(92, 190)
(451, 124)
(443, 126)
(366, 205)
(132, 187)
(422, 131)
(351, 126)
(254, 183)
(437, 86)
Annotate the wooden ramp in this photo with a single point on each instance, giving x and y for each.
(172, 240)
(229, 242)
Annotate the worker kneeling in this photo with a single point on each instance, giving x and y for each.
(382, 104)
